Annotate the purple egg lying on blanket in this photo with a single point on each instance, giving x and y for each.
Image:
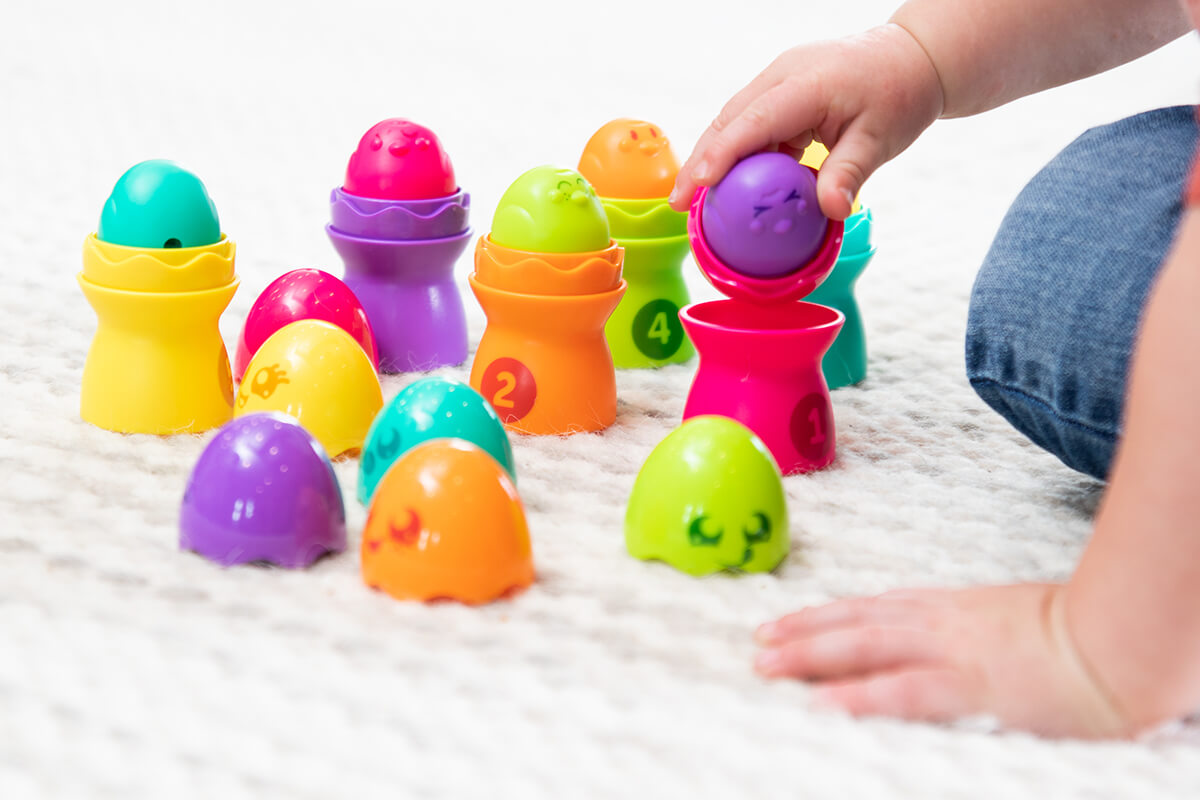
(263, 490)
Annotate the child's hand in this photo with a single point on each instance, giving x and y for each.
(866, 97)
(944, 654)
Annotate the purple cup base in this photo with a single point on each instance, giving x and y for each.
(408, 291)
(418, 327)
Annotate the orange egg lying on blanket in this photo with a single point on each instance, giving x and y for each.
(446, 523)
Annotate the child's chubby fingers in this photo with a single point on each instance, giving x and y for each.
(796, 146)
(847, 652)
(857, 154)
(908, 609)
(788, 109)
(692, 174)
(930, 693)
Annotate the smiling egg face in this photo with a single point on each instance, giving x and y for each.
(763, 219)
(709, 498)
(630, 159)
(446, 523)
(397, 159)
(551, 210)
(430, 408)
(159, 204)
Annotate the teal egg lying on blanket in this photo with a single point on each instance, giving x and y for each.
(431, 408)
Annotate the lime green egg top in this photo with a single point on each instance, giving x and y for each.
(709, 498)
(551, 210)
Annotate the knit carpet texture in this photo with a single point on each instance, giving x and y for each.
(131, 669)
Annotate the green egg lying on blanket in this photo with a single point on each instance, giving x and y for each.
(709, 498)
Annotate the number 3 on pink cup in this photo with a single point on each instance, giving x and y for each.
(509, 386)
(811, 431)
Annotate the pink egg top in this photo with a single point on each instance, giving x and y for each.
(298, 295)
(400, 160)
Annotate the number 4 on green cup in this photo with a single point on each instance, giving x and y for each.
(657, 331)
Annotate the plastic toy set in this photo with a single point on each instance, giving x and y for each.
(579, 270)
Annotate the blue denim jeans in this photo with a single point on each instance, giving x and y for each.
(1056, 304)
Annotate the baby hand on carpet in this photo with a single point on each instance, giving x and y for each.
(935, 654)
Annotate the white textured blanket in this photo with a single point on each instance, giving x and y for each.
(130, 669)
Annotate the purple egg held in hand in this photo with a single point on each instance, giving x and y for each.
(762, 219)
(263, 490)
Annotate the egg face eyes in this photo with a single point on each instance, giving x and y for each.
(405, 535)
(759, 530)
(578, 192)
(382, 453)
(697, 537)
(389, 445)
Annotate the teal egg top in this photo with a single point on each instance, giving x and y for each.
(158, 204)
(430, 408)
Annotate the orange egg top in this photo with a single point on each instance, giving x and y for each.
(629, 159)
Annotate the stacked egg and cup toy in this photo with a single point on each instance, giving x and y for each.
(760, 238)
(548, 277)
(399, 223)
(158, 272)
(846, 362)
(632, 167)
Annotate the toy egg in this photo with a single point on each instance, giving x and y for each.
(316, 372)
(263, 490)
(446, 523)
(397, 159)
(763, 219)
(430, 408)
(303, 294)
(159, 204)
(709, 498)
(629, 158)
(551, 210)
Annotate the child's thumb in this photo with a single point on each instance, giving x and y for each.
(851, 161)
